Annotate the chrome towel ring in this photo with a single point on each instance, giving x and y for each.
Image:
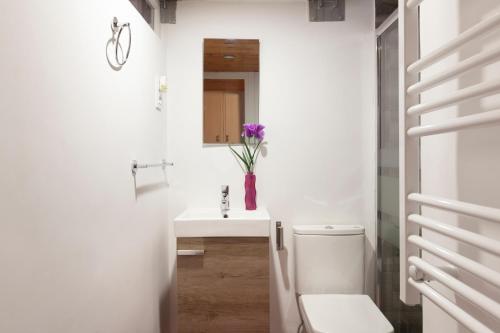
(117, 29)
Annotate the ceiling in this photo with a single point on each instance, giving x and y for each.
(384, 8)
(231, 55)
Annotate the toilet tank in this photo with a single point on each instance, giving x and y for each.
(329, 259)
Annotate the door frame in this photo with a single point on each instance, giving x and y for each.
(378, 32)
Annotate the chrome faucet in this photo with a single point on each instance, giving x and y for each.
(224, 202)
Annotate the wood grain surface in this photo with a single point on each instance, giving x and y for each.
(226, 290)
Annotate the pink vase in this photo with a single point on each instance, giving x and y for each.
(250, 192)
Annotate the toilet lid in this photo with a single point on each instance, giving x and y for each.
(342, 313)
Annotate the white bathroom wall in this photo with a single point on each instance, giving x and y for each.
(79, 252)
(317, 99)
(464, 165)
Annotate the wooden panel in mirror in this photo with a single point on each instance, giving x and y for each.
(231, 55)
(223, 106)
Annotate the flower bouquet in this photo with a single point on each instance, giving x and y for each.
(253, 136)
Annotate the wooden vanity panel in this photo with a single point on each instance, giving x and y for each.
(227, 289)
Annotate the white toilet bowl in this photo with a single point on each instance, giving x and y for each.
(330, 313)
(329, 279)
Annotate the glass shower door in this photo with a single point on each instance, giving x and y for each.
(405, 319)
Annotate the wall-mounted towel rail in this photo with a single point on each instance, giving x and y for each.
(472, 295)
(481, 59)
(476, 120)
(415, 244)
(135, 165)
(462, 235)
(476, 31)
(473, 92)
(481, 212)
(449, 307)
(458, 260)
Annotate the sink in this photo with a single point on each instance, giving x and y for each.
(210, 223)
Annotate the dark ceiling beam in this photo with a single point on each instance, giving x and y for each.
(326, 10)
(168, 10)
(319, 10)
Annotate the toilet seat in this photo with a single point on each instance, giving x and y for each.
(333, 313)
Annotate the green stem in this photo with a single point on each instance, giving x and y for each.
(250, 160)
(241, 158)
(256, 153)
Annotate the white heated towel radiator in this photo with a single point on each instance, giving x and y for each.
(413, 265)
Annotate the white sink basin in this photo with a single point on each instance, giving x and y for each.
(210, 223)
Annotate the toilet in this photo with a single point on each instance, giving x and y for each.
(329, 281)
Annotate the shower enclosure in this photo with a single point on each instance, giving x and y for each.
(405, 319)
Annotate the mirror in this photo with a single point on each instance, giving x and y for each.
(230, 88)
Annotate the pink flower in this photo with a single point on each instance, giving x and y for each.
(252, 130)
